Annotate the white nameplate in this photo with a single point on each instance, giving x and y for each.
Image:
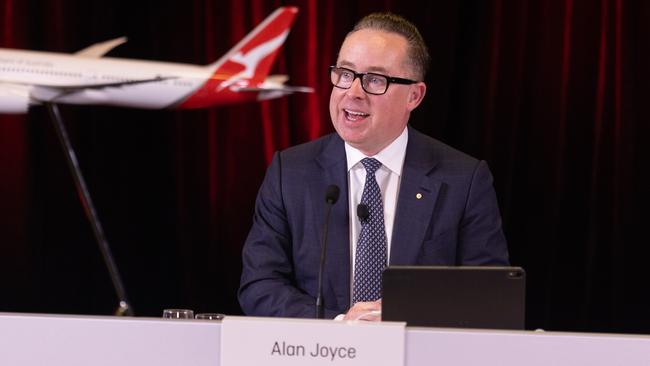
(282, 341)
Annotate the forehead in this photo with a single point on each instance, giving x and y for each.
(373, 50)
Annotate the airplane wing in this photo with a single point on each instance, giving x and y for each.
(52, 93)
(98, 50)
(114, 84)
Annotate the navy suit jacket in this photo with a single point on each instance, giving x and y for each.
(456, 221)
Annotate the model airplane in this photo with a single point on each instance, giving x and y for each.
(86, 77)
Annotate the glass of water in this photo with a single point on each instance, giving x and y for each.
(210, 316)
(178, 314)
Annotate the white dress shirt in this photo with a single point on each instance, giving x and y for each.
(388, 178)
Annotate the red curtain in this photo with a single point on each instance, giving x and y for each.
(551, 93)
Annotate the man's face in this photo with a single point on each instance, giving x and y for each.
(371, 122)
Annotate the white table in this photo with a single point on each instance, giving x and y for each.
(65, 340)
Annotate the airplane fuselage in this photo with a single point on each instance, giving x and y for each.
(33, 77)
(49, 77)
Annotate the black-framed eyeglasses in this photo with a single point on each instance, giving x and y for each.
(371, 83)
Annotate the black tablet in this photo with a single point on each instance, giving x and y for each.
(456, 297)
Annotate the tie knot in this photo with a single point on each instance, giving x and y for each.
(371, 165)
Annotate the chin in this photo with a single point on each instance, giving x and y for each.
(352, 138)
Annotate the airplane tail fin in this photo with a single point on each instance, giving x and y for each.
(252, 58)
(246, 66)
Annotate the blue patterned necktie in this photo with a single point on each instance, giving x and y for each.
(371, 252)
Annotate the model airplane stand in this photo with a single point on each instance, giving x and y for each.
(89, 209)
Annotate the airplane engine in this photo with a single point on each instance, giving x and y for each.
(14, 101)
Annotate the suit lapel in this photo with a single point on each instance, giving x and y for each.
(417, 197)
(416, 200)
(331, 168)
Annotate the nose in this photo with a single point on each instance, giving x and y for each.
(356, 90)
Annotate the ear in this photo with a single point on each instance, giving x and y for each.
(416, 94)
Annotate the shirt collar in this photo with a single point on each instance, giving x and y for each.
(392, 156)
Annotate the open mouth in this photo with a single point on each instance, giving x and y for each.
(355, 116)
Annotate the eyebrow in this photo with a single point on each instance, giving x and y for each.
(373, 69)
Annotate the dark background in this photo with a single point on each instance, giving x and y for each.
(551, 93)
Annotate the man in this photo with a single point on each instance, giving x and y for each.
(405, 198)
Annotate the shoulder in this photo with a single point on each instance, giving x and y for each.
(428, 151)
(309, 151)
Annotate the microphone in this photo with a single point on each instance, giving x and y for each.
(363, 212)
(331, 196)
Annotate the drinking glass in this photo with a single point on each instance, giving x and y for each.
(210, 316)
(178, 314)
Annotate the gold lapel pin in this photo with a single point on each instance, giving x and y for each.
(418, 196)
